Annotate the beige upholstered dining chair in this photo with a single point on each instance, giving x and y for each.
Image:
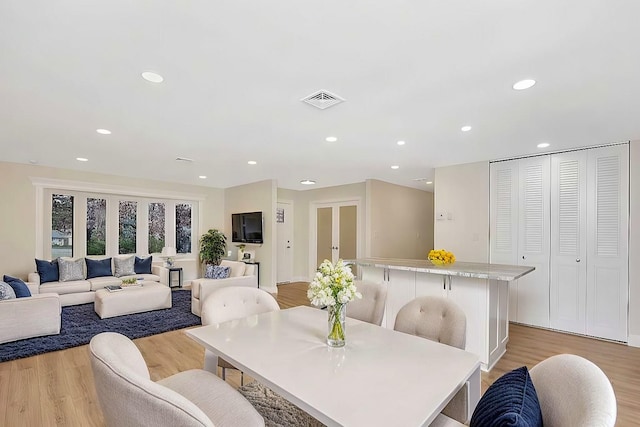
(228, 304)
(573, 392)
(438, 319)
(369, 308)
(128, 397)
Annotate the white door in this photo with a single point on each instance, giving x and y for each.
(568, 279)
(284, 224)
(533, 240)
(607, 242)
(504, 222)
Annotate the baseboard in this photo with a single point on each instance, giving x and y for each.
(634, 341)
(270, 289)
(300, 279)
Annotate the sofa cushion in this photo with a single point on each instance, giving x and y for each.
(71, 269)
(237, 267)
(48, 270)
(102, 282)
(98, 267)
(510, 401)
(142, 265)
(124, 266)
(19, 287)
(6, 291)
(62, 288)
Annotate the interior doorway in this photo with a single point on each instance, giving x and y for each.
(284, 231)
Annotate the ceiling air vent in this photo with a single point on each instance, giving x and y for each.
(322, 99)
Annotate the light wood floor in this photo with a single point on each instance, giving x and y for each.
(57, 388)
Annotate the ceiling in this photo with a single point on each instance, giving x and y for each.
(235, 71)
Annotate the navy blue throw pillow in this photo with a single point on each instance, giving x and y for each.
(19, 287)
(98, 268)
(510, 401)
(142, 265)
(48, 270)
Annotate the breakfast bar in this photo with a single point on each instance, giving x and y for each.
(480, 289)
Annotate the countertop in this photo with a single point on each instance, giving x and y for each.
(462, 269)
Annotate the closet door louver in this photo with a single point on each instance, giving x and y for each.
(607, 268)
(568, 241)
(534, 240)
(504, 222)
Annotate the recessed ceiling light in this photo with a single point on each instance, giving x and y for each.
(429, 182)
(307, 182)
(33, 162)
(103, 131)
(395, 167)
(252, 162)
(202, 176)
(524, 84)
(543, 145)
(331, 139)
(465, 128)
(82, 159)
(152, 77)
(401, 142)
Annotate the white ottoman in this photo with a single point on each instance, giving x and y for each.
(150, 296)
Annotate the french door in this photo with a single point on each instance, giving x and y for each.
(336, 232)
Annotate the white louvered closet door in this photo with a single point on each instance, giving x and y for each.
(607, 242)
(503, 227)
(533, 240)
(568, 241)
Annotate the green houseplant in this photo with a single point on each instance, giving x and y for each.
(213, 246)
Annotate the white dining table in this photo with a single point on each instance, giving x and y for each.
(379, 378)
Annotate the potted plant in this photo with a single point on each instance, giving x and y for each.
(213, 246)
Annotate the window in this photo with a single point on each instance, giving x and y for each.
(183, 228)
(127, 224)
(61, 225)
(96, 226)
(156, 227)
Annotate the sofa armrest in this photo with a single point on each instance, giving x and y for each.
(29, 317)
(34, 278)
(34, 287)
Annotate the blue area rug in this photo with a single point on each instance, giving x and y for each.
(80, 323)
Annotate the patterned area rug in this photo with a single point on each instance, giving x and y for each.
(80, 323)
(275, 409)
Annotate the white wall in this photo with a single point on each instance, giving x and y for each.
(400, 221)
(462, 194)
(18, 215)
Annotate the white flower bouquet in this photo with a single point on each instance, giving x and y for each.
(333, 287)
(332, 284)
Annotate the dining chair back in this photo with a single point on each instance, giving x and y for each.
(438, 319)
(128, 396)
(573, 392)
(435, 318)
(231, 303)
(369, 308)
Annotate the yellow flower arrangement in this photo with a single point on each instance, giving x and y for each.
(441, 257)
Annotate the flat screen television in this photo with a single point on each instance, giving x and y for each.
(246, 227)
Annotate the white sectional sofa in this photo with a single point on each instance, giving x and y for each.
(242, 274)
(28, 317)
(83, 291)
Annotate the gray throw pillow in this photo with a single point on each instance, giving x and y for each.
(71, 269)
(6, 291)
(124, 266)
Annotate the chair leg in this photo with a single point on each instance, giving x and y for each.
(241, 378)
(224, 374)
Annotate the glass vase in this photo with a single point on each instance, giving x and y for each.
(336, 335)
